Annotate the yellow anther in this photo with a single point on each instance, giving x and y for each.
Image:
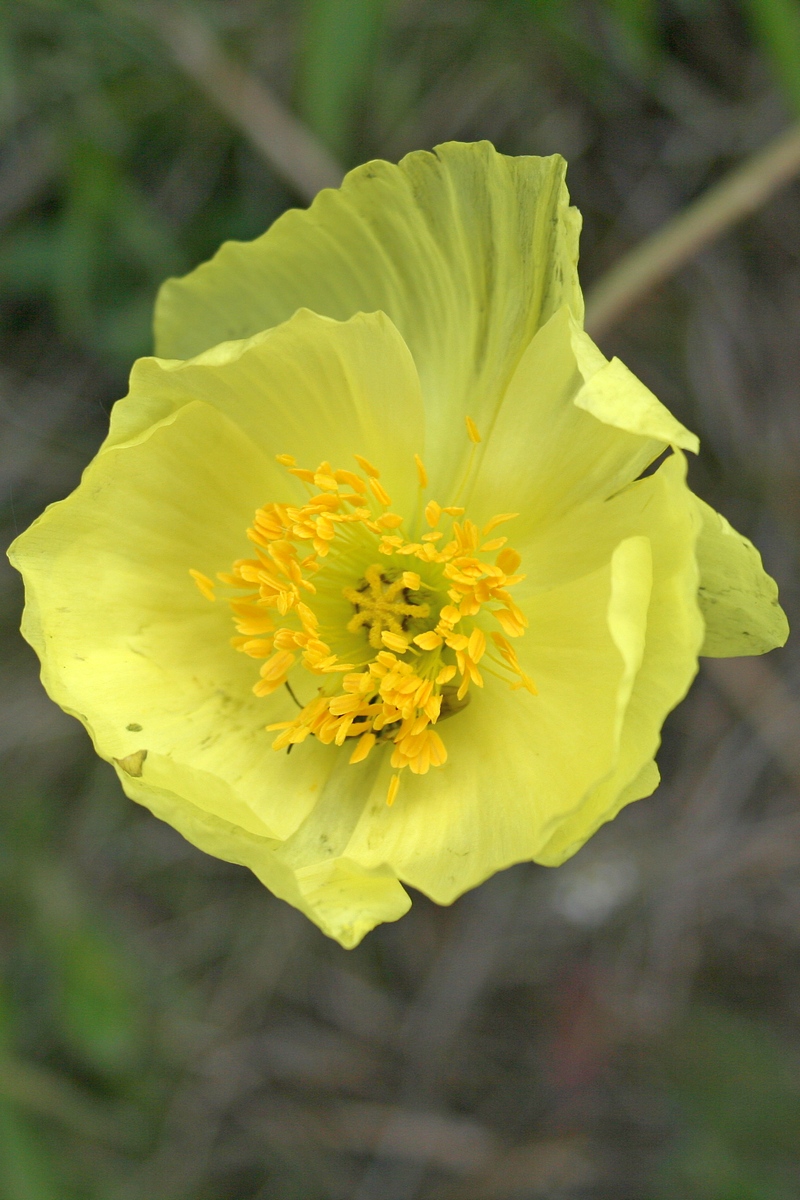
(457, 641)
(379, 491)
(382, 695)
(363, 747)
(352, 480)
(428, 641)
(394, 641)
(433, 512)
(477, 645)
(325, 481)
(367, 466)
(394, 784)
(498, 520)
(472, 430)
(255, 647)
(286, 460)
(508, 560)
(204, 584)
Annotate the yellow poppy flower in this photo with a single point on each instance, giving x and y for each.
(410, 492)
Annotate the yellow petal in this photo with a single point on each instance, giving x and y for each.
(663, 507)
(313, 387)
(738, 600)
(467, 251)
(346, 901)
(337, 894)
(616, 397)
(612, 652)
(130, 647)
(561, 438)
(512, 769)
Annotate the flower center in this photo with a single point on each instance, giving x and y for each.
(394, 651)
(382, 605)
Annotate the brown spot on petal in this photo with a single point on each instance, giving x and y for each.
(132, 764)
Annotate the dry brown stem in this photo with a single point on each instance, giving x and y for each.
(285, 142)
(741, 192)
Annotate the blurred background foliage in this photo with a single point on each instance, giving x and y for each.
(625, 1028)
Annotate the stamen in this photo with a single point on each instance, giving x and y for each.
(406, 652)
(472, 430)
(395, 641)
(498, 520)
(352, 480)
(508, 560)
(428, 641)
(394, 784)
(204, 584)
(367, 466)
(363, 747)
(433, 512)
(378, 491)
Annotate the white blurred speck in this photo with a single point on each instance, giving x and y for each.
(589, 894)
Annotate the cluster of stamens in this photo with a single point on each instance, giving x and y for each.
(413, 640)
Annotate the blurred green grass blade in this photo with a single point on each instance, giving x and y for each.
(99, 1004)
(776, 26)
(105, 220)
(26, 260)
(26, 1169)
(559, 28)
(739, 1079)
(338, 47)
(8, 88)
(91, 193)
(637, 21)
(736, 1083)
(99, 1009)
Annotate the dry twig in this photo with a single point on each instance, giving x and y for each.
(284, 141)
(741, 192)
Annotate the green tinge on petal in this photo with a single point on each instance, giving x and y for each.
(738, 599)
(468, 252)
